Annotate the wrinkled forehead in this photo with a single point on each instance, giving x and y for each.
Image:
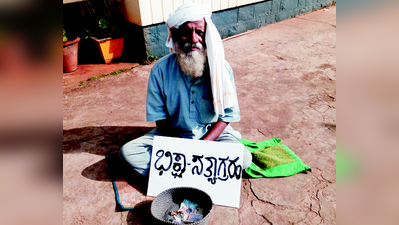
(190, 25)
(199, 24)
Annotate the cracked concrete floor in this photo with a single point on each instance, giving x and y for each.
(285, 75)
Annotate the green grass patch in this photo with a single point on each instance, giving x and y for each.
(116, 72)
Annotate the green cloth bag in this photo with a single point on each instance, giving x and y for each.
(272, 159)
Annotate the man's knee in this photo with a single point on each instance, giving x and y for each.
(137, 154)
(228, 138)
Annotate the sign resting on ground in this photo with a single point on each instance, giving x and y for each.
(210, 166)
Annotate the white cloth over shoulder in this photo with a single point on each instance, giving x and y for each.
(222, 87)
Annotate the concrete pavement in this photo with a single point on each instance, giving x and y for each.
(285, 75)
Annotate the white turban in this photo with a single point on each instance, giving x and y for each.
(222, 87)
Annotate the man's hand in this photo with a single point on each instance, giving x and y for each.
(215, 131)
(165, 127)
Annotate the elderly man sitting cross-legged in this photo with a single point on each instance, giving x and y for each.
(191, 91)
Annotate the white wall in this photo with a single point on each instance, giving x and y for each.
(147, 12)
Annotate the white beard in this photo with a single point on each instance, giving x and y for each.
(192, 63)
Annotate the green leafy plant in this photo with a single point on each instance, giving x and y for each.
(64, 38)
(101, 17)
(149, 60)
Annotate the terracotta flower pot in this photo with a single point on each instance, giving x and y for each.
(109, 48)
(70, 55)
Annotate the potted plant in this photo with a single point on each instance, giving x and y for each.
(102, 17)
(70, 52)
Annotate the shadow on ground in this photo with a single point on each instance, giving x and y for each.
(141, 215)
(99, 141)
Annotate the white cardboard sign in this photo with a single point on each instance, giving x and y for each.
(213, 167)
